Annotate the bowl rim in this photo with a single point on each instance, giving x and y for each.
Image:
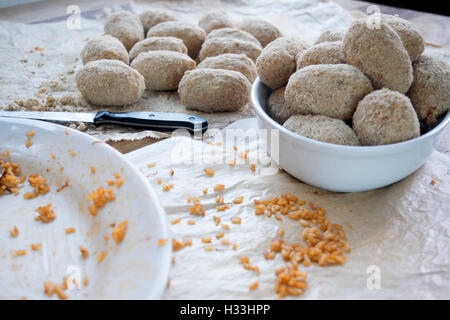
(388, 148)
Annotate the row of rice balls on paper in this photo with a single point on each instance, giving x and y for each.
(121, 63)
(368, 86)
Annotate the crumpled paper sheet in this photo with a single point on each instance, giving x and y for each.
(401, 231)
(23, 72)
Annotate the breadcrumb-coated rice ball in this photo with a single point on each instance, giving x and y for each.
(214, 90)
(277, 108)
(110, 83)
(278, 61)
(322, 128)
(330, 36)
(162, 69)
(232, 61)
(233, 33)
(379, 53)
(411, 38)
(158, 43)
(104, 47)
(126, 27)
(192, 35)
(322, 53)
(333, 90)
(430, 91)
(217, 46)
(384, 117)
(215, 20)
(151, 18)
(262, 30)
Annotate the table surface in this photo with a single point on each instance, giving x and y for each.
(434, 28)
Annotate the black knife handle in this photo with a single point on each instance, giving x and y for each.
(158, 121)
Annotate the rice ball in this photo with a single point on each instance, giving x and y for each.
(126, 27)
(333, 90)
(262, 30)
(379, 53)
(151, 18)
(430, 91)
(158, 43)
(384, 117)
(322, 53)
(277, 108)
(232, 61)
(330, 36)
(278, 61)
(322, 128)
(104, 47)
(215, 20)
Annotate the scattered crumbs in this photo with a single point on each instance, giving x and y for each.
(73, 154)
(216, 220)
(70, 230)
(222, 208)
(220, 235)
(219, 200)
(19, 253)
(209, 171)
(218, 187)
(253, 286)
(46, 214)
(167, 186)
(119, 231)
(36, 246)
(39, 184)
(151, 165)
(190, 222)
(84, 252)
(93, 171)
(236, 220)
(238, 200)
(225, 226)
(206, 240)
(175, 221)
(100, 256)
(14, 232)
(161, 242)
(51, 288)
(99, 198)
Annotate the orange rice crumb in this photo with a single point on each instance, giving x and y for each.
(159, 181)
(190, 222)
(253, 167)
(106, 237)
(220, 200)
(101, 256)
(151, 165)
(5, 153)
(209, 171)
(197, 209)
(70, 230)
(225, 226)
(236, 220)
(175, 221)
(225, 242)
(84, 252)
(216, 220)
(85, 281)
(218, 187)
(238, 200)
(39, 184)
(433, 182)
(9, 177)
(161, 242)
(253, 286)
(220, 235)
(14, 232)
(206, 240)
(171, 172)
(110, 182)
(51, 288)
(209, 248)
(177, 245)
(234, 246)
(205, 191)
(119, 231)
(99, 198)
(46, 214)
(35, 246)
(232, 163)
(20, 252)
(93, 171)
(222, 208)
(167, 186)
(72, 153)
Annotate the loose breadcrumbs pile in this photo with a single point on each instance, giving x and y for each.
(119, 231)
(9, 177)
(99, 198)
(323, 243)
(39, 184)
(46, 214)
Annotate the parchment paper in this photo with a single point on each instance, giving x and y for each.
(402, 232)
(25, 71)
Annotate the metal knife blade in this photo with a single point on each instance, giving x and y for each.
(160, 121)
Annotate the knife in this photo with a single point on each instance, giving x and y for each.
(160, 121)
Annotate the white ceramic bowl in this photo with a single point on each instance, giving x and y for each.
(344, 168)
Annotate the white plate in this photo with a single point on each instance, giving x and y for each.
(136, 268)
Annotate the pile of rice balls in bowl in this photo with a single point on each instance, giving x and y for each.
(371, 85)
(211, 64)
